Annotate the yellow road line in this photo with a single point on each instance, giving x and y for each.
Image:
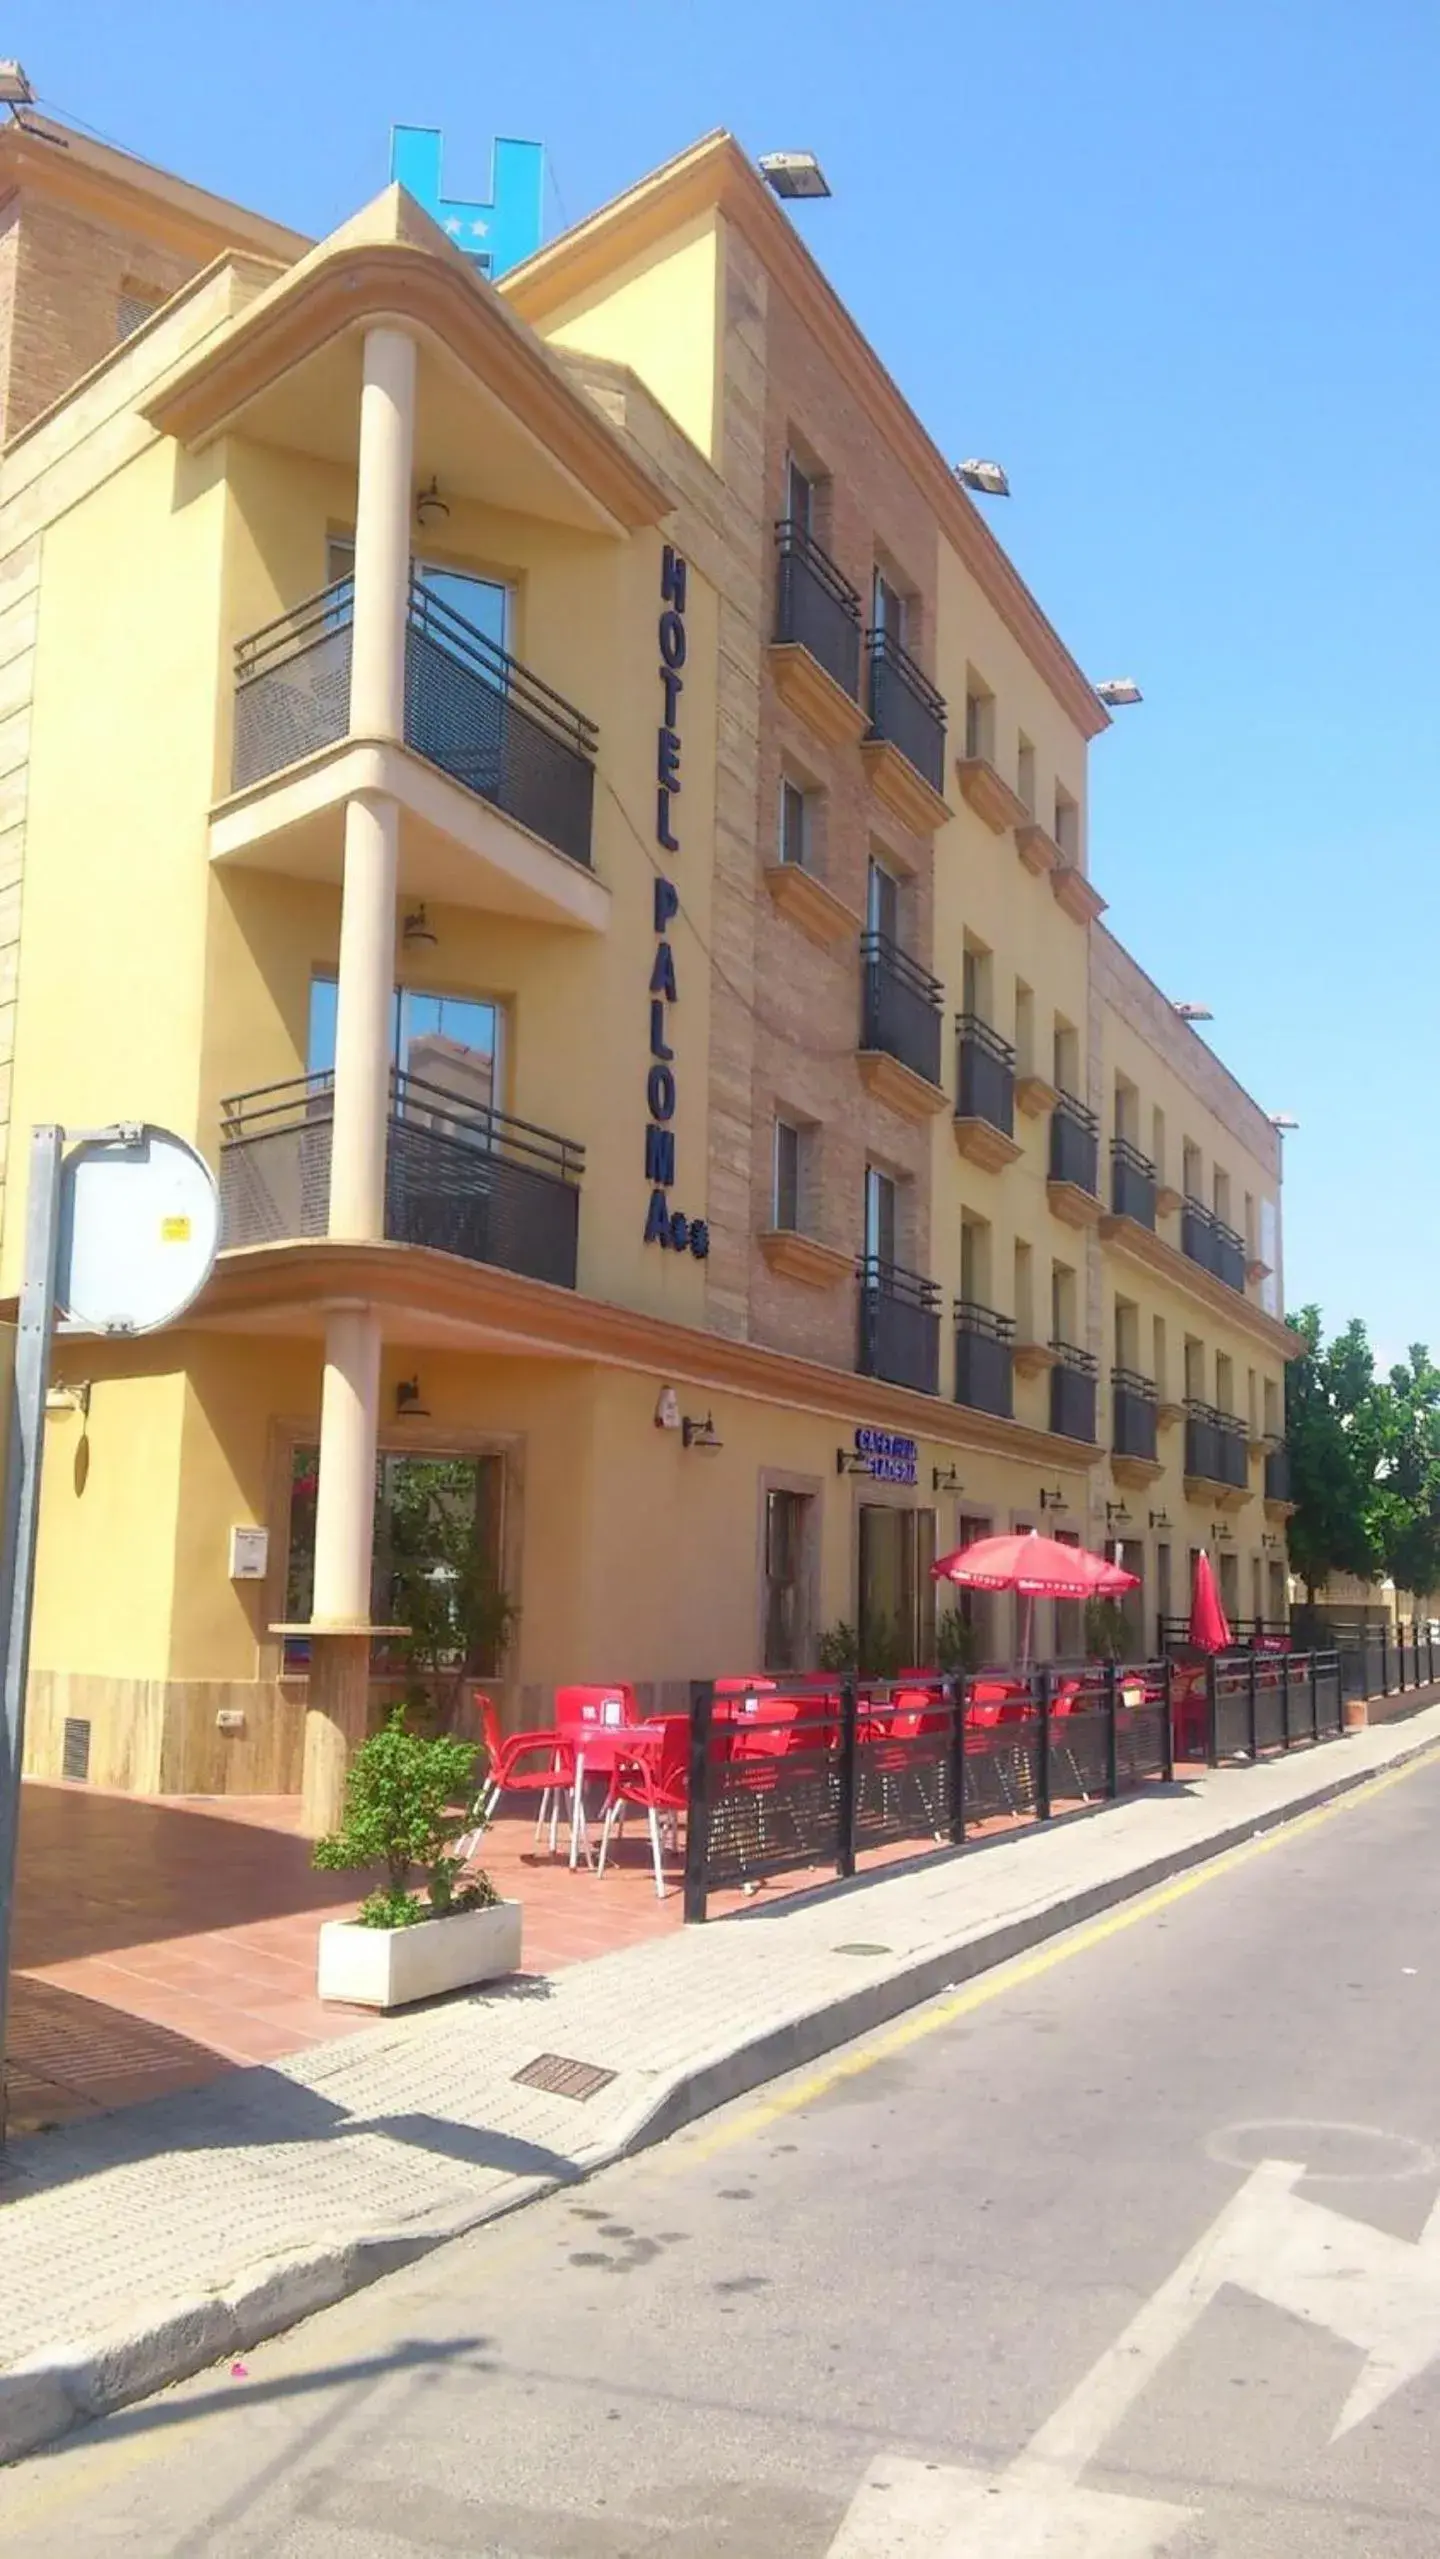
(101, 2466)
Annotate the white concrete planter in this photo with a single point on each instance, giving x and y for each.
(390, 1967)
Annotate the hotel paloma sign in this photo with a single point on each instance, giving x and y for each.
(669, 1227)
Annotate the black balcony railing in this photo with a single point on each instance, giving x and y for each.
(1072, 1391)
(899, 1326)
(1133, 1417)
(816, 607)
(459, 1177)
(1215, 1446)
(1132, 1183)
(1074, 1145)
(987, 1074)
(906, 709)
(1277, 1474)
(1212, 1244)
(470, 708)
(900, 1007)
(984, 1358)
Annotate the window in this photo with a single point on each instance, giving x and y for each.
(1273, 1411)
(897, 1594)
(787, 1544)
(1160, 1359)
(136, 304)
(1193, 1172)
(1025, 773)
(1224, 1382)
(437, 1531)
(1069, 1613)
(976, 980)
(1230, 1582)
(1162, 1581)
(1220, 1196)
(882, 902)
(887, 609)
(1024, 1293)
(1067, 824)
(1250, 1253)
(795, 815)
(1067, 1056)
(485, 603)
(1063, 1308)
(452, 1042)
(1277, 1607)
(1194, 1370)
(1127, 1110)
(1252, 1409)
(974, 1259)
(799, 498)
(879, 1216)
(1127, 1334)
(979, 719)
(786, 1202)
(977, 1607)
(1024, 1029)
(1157, 1143)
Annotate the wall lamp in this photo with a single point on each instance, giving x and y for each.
(1282, 1120)
(945, 1479)
(1160, 1519)
(69, 1399)
(793, 173)
(1055, 1501)
(430, 507)
(695, 1434)
(1221, 1533)
(851, 1461)
(410, 1405)
(989, 478)
(1118, 692)
(1116, 1515)
(417, 929)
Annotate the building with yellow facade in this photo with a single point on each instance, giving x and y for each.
(558, 793)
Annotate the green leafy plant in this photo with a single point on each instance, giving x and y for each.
(957, 1642)
(1107, 1637)
(407, 1800)
(459, 1623)
(839, 1647)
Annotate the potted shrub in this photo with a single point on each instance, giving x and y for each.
(401, 1813)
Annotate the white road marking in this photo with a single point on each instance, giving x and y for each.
(1380, 2294)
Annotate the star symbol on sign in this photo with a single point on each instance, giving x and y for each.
(454, 226)
(479, 229)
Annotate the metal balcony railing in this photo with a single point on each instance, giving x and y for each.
(459, 1178)
(817, 608)
(1075, 1145)
(1277, 1473)
(1215, 1445)
(905, 708)
(899, 1326)
(987, 1074)
(1072, 1391)
(470, 708)
(1133, 1416)
(900, 1008)
(1216, 1247)
(984, 1358)
(1132, 1183)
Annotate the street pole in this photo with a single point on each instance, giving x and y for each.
(22, 1514)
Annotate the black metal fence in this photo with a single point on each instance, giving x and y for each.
(1074, 1144)
(906, 709)
(899, 1326)
(816, 607)
(833, 1771)
(1258, 1702)
(900, 1007)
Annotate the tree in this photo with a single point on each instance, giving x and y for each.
(406, 1803)
(1404, 1509)
(442, 1586)
(1331, 1428)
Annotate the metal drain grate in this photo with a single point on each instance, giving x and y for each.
(562, 2078)
(859, 1946)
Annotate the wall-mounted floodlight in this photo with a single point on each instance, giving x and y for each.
(793, 173)
(1283, 1120)
(1193, 1012)
(1118, 692)
(989, 478)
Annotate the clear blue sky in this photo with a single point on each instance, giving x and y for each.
(1176, 265)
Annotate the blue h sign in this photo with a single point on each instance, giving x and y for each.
(497, 234)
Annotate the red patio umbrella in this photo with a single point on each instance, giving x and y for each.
(1209, 1625)
(1038, 1568)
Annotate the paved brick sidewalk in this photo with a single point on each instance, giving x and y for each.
(145, 2244)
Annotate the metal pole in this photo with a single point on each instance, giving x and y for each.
(1212, 1712)
(1042, 1773)
(1167, 1669)
(957, 1697)
(1285, 1701)
(1251, 1724)
(34, 1328)
(845, 1809)
(697, 1807)
(1384, 1657)
(1112, 1737)
(1314, 1697)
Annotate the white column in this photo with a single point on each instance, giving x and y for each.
(384, 482)
(345, 1494)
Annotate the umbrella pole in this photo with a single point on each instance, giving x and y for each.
(1027, 1630)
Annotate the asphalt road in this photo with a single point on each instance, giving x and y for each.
(1009, 2278)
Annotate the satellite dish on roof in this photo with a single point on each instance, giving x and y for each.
(139, 1231)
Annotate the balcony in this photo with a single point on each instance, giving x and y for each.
(1215, 1448)
(905, 744)
(1132, 1183)
(478, 719)
(1074, 1182)
(899, 1028)
(1132, 1427)
(1072, 1392)
(985, 1102)
(1277, 1473)
(983, 1359)
(899, 1326)
(1208, 1241)
(459, 1178)
(816, 655)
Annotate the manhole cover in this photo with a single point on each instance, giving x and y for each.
(562, 2078)
(860, 1948)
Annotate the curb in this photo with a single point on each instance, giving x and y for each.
(46, 2395)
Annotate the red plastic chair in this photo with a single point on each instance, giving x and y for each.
(654, 1775)
(594, 1719)
(507, 1773)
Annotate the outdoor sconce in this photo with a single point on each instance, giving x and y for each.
(430, 507)
(700, 1434)
(417, 930)
(69, 1399)
(667, 1410)
(409, 1405)
(1221, 1533)
(849, 1461)
(1116, 1515)
(1053, 1501)
(945, 1479)
(1160, 1519)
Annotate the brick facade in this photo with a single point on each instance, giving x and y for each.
(63, 275)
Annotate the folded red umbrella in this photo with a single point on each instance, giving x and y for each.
(1039, 1567)
(1209, 1625)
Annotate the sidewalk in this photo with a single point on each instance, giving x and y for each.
(140, 2246)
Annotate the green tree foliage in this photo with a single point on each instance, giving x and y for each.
(406, 1802)
(1364, 1460)
(443, 1590)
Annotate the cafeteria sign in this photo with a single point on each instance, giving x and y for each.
(890, 1458)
